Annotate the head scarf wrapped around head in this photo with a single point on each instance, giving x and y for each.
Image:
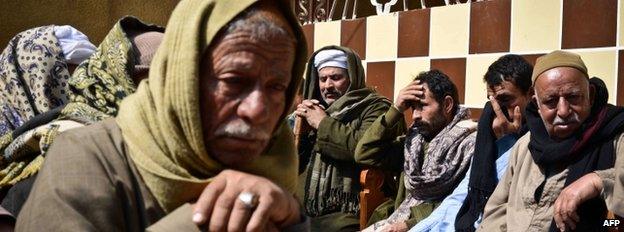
(161, 122)
(33, 77)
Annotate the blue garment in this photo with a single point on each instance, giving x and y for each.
(443, 217)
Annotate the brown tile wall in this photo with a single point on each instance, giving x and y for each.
(490, 26)
(589, 23)
(353, 35)
(308, 32)
(456, 70)
(380, 76)
(414, 33)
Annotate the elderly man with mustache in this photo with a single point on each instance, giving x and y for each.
(338, 108)
(201, 145)
(556, 172)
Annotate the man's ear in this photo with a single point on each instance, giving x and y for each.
(448, 105)
(534, 99)
(592, 93)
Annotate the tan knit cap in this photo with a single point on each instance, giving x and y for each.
(558, 59)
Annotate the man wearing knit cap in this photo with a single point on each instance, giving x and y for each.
(557, 172)
(338, 107)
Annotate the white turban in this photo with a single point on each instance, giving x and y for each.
(330, 58)
(76, 46)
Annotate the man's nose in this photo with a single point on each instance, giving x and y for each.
(563, 108)
(253, 108)
(416, 116)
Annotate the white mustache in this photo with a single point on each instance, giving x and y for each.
(573, 118)
(241, 129)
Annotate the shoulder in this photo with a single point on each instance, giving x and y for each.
(83, 150)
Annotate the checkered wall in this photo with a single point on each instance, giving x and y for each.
(463, 40)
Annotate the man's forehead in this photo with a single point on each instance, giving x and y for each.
(329, 70)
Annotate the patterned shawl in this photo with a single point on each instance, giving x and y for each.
(95, 90)
(161, 121)
(33, 77)
(444, 165)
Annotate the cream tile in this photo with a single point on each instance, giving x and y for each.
(382, 37)
(476, 66)
(406, 70)
(450, 27)
(603, 64)
(621, 29)
(535, 25)
(326, 33)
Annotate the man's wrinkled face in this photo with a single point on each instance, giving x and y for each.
(243, 94)
(508, 96)
(429, 115)
(564, 101)
(333, 83)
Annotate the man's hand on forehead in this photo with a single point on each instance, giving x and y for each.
(412, 95)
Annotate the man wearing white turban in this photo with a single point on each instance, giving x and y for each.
(338, 108)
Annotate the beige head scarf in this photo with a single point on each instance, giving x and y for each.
(161, 122)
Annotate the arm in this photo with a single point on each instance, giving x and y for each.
(382, 144)
(613, 183)
(338, 140)
(495, 212)
(73, 193)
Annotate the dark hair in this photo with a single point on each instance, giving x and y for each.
(440, 85)
(513, 68)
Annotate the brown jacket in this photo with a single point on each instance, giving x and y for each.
(88, 183)
(512, 206)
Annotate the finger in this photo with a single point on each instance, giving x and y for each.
(300, 113)
(412, 86)
(222, 210)
(418, 93)
(557, 215)
(204, 205)
(261, 215)
(309, 104)
(411, 98)
(239, 217)
(496, 107)
(517, 118)
(315, 101)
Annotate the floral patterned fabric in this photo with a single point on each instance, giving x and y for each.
(33, 77)
(94, 92)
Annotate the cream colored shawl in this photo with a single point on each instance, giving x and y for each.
(161, 122)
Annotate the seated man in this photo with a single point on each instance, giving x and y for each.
(202, 142)
(434, 154)
(339, 108)
(500, 125)
(574, 137)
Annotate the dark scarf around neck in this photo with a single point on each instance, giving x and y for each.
(589, 149)
(483, 179)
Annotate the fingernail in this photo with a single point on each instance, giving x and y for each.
(198, 218)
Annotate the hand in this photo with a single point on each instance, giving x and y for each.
(413, 92)
(396, 227)
(312, 111)
(501, 125)
(581, 190)
(219, 209)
